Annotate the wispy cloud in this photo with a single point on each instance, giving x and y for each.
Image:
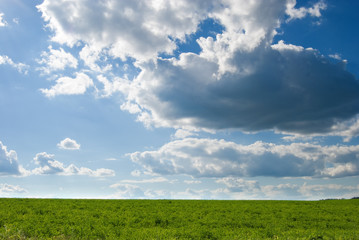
(20, 67)
(7, 189)
(56, 60)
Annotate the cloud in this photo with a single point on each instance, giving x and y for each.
(152, 180)
(182, 133)
(20, 67)
(138, 29)
(302, 12)
(7, 189)
(241, 79)
(239, 185)
(48, 165)
(192, 181)
(69, 86)
(55, 60)
(282, 88)
(220, 158)
(127, 191)
(3, 23)
(68, 144)
(237, 188)
(8, 162)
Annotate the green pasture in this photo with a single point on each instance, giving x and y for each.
(178, 219)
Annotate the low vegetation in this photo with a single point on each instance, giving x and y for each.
(178, 219)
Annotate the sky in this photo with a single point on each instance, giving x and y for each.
(185, 99)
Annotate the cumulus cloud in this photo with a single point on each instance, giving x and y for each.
(8, 162)
(241, 79)
(220, 158)
(295, 13)
(69, 86)
(56, 59)
(68, 144)
(48, 165)
(20, 67)
(138, 29)
(7, 189)
(283, 88)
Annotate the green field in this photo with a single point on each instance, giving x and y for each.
(178, 219)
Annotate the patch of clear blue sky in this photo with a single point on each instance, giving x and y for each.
(207, 28)
(336, 34)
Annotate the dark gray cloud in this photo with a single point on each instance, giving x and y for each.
(219, 158)
(290, 90)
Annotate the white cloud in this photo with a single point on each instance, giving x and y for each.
(116, 84)
(314, 11)
(240, 79)
(55, 60)
(20, 67)
(69, 86)
(3, 23)
(68, 144)
(8, 162)
(7, 189)
(138, 29)
(219, 158)
(48, 165)
(92, 57)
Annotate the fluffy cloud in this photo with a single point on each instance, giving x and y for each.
(240, 79)
(55, 60)
(20, 67)
(302, 12)
(48, 165)
(219, 158)
(284, 88)
(138, 29)
(69, 86)
(8, 162)
(68, 144)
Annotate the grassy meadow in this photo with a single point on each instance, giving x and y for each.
(178, 219)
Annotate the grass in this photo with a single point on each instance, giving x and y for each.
(178, 219)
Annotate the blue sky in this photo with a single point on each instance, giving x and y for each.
(217, 99)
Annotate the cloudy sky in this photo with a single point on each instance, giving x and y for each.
(217, 99)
